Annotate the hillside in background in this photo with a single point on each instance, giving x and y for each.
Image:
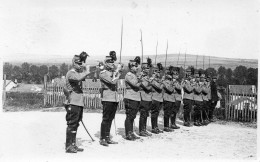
(172, 59)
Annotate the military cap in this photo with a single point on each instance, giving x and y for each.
(132, 63)
(112, 54)
(83, 56)
(109, 59)
(137, 60)
(76, 59)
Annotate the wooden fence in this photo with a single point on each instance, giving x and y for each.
(54, 96)
(241, 106)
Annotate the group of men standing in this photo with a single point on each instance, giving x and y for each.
(148, 90)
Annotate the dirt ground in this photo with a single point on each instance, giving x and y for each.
(40, 136)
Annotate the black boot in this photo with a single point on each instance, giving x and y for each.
(173, 119)
(74, 143)
(69, 147)
(153, 121)
(128, 132)
(130, 136)
(108, 138)
(159, 130)
(166, 125)
(145, 123)
(142, 127)
(103, 134)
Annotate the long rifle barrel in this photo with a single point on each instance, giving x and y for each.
(156, 51)
(121, 40)
(142, 45)
(178, 58)
(166, 54)
(203, 61)
(196, 61)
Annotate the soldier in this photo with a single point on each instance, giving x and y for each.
(197, 100)
(146, 100)
(109, 78)
(214, 97)
(74, 95)
(205, 91)
(168, 100)
(187, 98)
(177, 95)
(132, 99)
(157, 99)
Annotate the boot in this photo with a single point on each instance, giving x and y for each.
(110, 141)
(167, 129)
(69, 147)
(103, 133)
(156, 123)
(173, 119)
(145, 122)
(143, 134)
(134, 136)
(74, 143)
(127, 128)
(166, 122)
(103, 142)
(141, 125)
(129, 136)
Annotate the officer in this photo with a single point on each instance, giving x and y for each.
(132, 99)
(205, 91)
(214, 97)
(74, 94)
(157, 98)
(109, 78)
(168, 100)
(146, 100)
(178, 97)
(208, 82)
(198, 101)
(187, 98)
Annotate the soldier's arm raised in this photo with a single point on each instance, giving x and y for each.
(157, 85)
(77, 77)
(132, 81)
(168, 88)
(107, 79)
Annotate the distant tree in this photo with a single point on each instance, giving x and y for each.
(64, 69)
(8, 70)
(229, 76)
(25, 70)
(222, 76)
(43, 70)
(17, 74)
(240, 75)
(210, 72)
(252, 76)
(53, 72)
(35, 76)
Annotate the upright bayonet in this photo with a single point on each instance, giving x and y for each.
(142, 44)
(156, 51)
(121, 40)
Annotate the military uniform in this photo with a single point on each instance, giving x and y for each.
(157, 101)
(198, 101)
(73, 89)
(168, 103)
(110, 102)
(205, 92)
(187, 102)
(178, 98)
(132, 100)
(145, 105)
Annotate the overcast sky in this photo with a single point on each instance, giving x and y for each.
(225, 28)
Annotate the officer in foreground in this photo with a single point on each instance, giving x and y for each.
(109, 78)
(74, 104)
(178, 97)
(132, 99)
(146, 100)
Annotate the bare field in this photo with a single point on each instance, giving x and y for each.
(40, 136)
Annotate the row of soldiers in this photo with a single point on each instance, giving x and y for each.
(148, 90)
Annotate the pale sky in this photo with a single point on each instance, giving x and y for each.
(223, 28)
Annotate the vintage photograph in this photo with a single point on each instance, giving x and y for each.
(129, 80)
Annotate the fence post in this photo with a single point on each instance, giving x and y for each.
(45, 90)
(4, 93)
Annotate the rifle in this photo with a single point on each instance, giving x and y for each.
(178, 58)
(121, 40)
(196, 61)
(142, 44)
(156, 51)
(165, 59)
